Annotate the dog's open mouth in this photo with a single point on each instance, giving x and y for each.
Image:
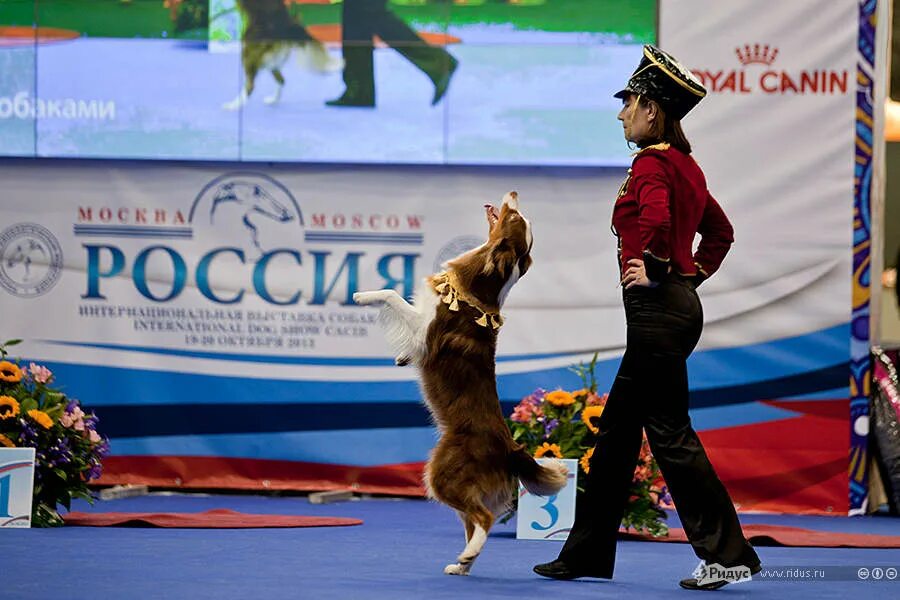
(493, 215)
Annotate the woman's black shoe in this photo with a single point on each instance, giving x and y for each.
(560, 570)
(354, 99)
(691, 583)
(555, 570)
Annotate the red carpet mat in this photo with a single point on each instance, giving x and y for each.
(211, 519)
(779, 535)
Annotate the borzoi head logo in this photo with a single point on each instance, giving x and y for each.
(248, 209)
(30, 260)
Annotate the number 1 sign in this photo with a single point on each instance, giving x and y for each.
(16, 486)
(548, 517)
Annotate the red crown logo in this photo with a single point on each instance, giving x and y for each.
(757, 53)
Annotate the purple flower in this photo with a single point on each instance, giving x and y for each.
(549, 426)
(91, 420)
(29, 436)
(59, 453)
(535, 398)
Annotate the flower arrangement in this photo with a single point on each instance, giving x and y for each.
(68, 449)
(561, 424)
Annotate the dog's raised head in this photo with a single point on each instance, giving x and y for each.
(490, 271)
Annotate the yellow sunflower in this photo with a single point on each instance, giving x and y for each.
(560, 398)
(591, 412)
(41, 418)
(9, 407)
(585, 460)
(551, 449)
(10, 372)
(584, 392)
(5, 441)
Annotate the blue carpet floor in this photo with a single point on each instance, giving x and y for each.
(398, 553)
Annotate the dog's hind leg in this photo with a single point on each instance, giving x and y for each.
(468, 524)
(479, 519)
(279, 78)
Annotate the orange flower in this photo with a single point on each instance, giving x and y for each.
(585, 460)
(546, 449)
(9, 407)
(584, 392)
(5, 441)
(591, 412)
(10, 372)
(41, 418)
(560, 398)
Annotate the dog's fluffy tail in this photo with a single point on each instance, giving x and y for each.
(540, 480)
(315, 57)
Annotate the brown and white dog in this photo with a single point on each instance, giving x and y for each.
(450, 335)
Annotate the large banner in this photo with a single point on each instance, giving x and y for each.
(777, 135)
(206, 311)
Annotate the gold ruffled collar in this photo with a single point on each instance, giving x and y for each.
(448, 288)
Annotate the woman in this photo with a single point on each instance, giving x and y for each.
(663, 203)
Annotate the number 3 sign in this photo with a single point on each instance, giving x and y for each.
(548, 517)
(16, 486)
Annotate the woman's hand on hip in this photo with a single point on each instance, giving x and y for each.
(636, 275)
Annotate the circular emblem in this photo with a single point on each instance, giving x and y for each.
(454, 248)
(30, 260)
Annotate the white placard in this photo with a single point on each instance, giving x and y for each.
(16, 486)
(548, 517)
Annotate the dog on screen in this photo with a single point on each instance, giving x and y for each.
(271, 35)
(450, 335)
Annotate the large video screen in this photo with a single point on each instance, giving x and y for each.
(500, 82)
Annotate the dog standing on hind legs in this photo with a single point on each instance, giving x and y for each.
(269, 38)
(450, 334)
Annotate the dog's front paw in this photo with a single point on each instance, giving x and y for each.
(361, 297)
(234, 104)
(456, 569)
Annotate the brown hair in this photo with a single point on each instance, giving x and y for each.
(666, 129)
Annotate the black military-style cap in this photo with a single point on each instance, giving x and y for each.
(660, 77)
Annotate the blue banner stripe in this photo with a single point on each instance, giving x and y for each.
(364, 448)
(125, 234)
(132, 229)
(362, 239)
(162, 384)
(362, 235)
(258, 412)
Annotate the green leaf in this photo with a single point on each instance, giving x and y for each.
(28, 404)
(83, 495)
(11, 343)
(60, 473)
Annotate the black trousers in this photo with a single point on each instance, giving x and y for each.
(650, 392)
(363, 19)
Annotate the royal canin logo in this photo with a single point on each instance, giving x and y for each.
(770, 80)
